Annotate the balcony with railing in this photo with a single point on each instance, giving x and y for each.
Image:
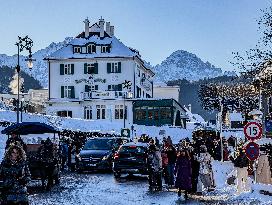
(104, 95)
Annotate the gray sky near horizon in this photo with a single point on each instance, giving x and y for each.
(211, 29)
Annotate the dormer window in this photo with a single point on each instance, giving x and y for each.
(91, 48)
(105, 49)
(77, 49)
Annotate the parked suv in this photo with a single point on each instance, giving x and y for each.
(130, 158)
(97, 153)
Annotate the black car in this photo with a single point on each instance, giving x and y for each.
(97, 153)
(130, 158)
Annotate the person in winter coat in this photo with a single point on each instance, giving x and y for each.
(183, 173)
(216, 150)
(15, 174)
(164, 167)
(15, 140)
(154, 167)
(263, 169)
(171, 155)
(205, 170)
(241, 164)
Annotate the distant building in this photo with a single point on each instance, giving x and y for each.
(163, 91)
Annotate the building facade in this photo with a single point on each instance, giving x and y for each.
(97, 77)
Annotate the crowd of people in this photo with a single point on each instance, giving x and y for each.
(188, 165)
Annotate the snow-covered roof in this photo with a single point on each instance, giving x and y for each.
(236, 116)
(198, 118)
(118, 49)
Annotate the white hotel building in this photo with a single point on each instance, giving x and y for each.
(97, 77)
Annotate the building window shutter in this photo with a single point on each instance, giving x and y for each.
(95, 68)
(119, 67)
(72, 92)
(62, 91)
(96, 87)
(86, 88)
(72, 69)
(61, 69)
(85, 68)
(119, 87)
(109, 67)
(108, 49)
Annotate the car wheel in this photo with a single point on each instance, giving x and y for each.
(117, 174)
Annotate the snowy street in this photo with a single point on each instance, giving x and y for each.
(102, 188)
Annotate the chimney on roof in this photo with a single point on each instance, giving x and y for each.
(111, 30)
(108, 28)
(87, 22)
(101, 25)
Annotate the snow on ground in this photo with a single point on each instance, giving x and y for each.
(104, 126)
(103, 189)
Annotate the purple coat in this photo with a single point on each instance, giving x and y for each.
(183, 172)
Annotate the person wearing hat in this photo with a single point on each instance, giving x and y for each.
(263, 168)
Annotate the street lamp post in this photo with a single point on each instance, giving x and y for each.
(221, 130)
(23, 44)
(124, 110)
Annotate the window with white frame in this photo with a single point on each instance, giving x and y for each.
(91, 48)
(64, 113)
(104, 49)
(88, 114)
(67, 69)
(77, 49)
(114, 67)
(67, 92)
(119, 111)
(101, 111)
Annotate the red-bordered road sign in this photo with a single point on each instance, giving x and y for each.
(252, 151)
(253, 130)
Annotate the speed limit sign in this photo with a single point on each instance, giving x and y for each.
(253, 131)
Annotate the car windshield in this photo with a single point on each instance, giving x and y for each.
(98, 144)
(132, 149)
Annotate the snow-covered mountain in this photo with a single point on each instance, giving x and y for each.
(184, 65)
(39, 70)
(180, 64)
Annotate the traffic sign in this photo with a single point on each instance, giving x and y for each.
(253, 130)
(252, 151)
(125, 132)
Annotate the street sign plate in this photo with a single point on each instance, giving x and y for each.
(125, 132)
(252, 151)
(253, 130)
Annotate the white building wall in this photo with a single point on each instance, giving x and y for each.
(77, 109)
(166, 92)
(57, 80)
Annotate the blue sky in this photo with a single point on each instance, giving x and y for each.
(211, 29)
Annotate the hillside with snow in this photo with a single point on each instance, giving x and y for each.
(184, 65)
(179, 65)
(39, 70)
